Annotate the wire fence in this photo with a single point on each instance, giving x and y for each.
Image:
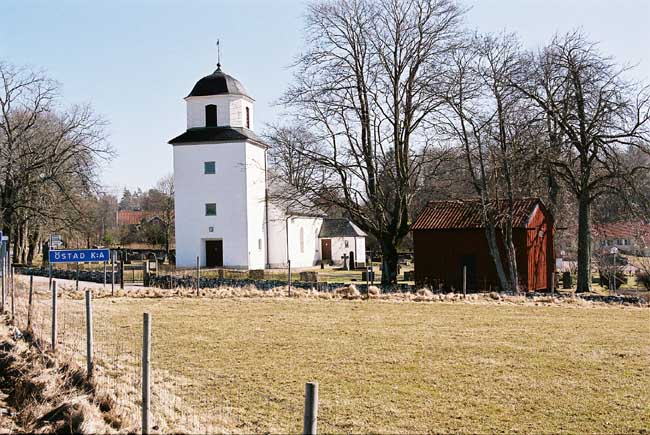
(206, 398)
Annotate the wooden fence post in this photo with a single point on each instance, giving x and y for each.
(289, 276)
(122, 274)
(198, 275)
(146, 372)
(89, 335)
(464, 281)
(29, 306)
(13, 303)
(53, 315)
(3, 269)
(310, 423)
(112, 273)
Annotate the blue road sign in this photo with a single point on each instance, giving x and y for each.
(79, 255)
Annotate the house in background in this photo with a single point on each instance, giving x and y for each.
(631, 237)
(449, 236)
(135, 217)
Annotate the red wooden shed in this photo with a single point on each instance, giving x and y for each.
(449, 235)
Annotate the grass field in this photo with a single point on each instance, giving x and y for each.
(392, 367)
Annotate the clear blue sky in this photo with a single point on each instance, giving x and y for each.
(134, 61)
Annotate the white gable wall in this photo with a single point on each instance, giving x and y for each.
(355, 244)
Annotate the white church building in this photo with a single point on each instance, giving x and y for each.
(223, 215)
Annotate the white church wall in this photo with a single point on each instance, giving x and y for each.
(226, 188)
(310, 252)
(235, 113)
(196, 110)
(360, 243)
(304, 247)
(231, 110)
(255, 193)
(277, 238)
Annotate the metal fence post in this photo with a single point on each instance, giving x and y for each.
(29, 306)
(310, 423)
(89, 335)
(77, 283)
(104, 274)
(146, 360)
(53, 315)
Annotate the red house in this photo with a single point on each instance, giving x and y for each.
(449, 235)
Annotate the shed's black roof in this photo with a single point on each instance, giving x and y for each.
(216, 134)
(339, 228)
(218, 83)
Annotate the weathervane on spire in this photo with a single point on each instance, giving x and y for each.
(218, 56)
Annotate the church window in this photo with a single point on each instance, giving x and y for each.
(209, 168)
(210, 115)
(248, 118)
(302, 240)
(259, 244)
(347, 244)
(211, 209)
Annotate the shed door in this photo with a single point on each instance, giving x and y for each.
(326, 249)
(213, 253)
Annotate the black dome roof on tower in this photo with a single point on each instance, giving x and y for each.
(218, 83)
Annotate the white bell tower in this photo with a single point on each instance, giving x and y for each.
(220, 178)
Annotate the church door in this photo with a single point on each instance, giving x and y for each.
(326, 249)
(213, 253)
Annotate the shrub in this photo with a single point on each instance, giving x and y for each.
(643, 278)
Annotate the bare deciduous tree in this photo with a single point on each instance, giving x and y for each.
(48, 157)
(594, 114)
(363, 90)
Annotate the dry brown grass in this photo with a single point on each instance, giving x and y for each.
(236, 360)
(49, 393)
(403, 367)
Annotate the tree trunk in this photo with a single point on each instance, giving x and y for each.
(491, 235)
(584, 244)
(389, 262)
(32, 246)
(511, 258)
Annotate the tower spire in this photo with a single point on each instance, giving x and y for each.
(218, 56)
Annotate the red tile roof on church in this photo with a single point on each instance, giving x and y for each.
(440, 215)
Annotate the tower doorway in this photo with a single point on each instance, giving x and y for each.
(214, 253)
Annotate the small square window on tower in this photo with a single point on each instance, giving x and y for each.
(211, 209)
(209, 168)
